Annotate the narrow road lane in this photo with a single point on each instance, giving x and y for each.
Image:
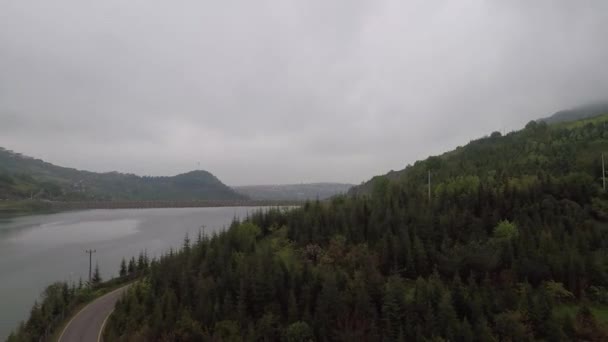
(87, 325)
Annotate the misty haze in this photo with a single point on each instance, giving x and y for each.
(303, 170)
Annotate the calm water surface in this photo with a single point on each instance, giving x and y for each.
(38, 250)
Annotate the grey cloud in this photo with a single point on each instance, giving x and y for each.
(285, 91)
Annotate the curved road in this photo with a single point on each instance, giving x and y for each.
(88, 323)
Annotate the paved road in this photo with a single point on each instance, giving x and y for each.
(87, 325)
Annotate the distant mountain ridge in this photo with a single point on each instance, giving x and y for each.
(577, 113)
(24, 177)
(287, 192)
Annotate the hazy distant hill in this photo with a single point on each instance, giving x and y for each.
(24, 177)
(293, 191)
(582, 112)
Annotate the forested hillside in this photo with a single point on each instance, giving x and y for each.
(511, 246)
(556, 149)
(23, 177)
(293, 192)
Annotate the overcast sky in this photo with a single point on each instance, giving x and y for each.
(286, 91)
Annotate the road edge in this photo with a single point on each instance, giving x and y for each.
(103, 326)
(86, 306)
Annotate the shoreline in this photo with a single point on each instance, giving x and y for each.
(9, 208)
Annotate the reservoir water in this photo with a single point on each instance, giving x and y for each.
(38, 250)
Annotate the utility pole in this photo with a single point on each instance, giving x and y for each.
(90, 252)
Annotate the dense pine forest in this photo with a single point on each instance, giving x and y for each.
(510, 244)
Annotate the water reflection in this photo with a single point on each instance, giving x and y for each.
(57, 233)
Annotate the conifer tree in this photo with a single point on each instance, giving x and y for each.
(96, 279)
(123, 268)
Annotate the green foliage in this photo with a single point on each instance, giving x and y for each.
(381, 185)
(557, 292)
(22, 177)
(11, 207)
(599, 311)
(512, 233)
(506, 230)
(227, 331)
(256, 281)
(57, 303)
(539, 150)
(298, 332)
(123, 268)
(293, 192)
(96, 278)
(587, 326)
